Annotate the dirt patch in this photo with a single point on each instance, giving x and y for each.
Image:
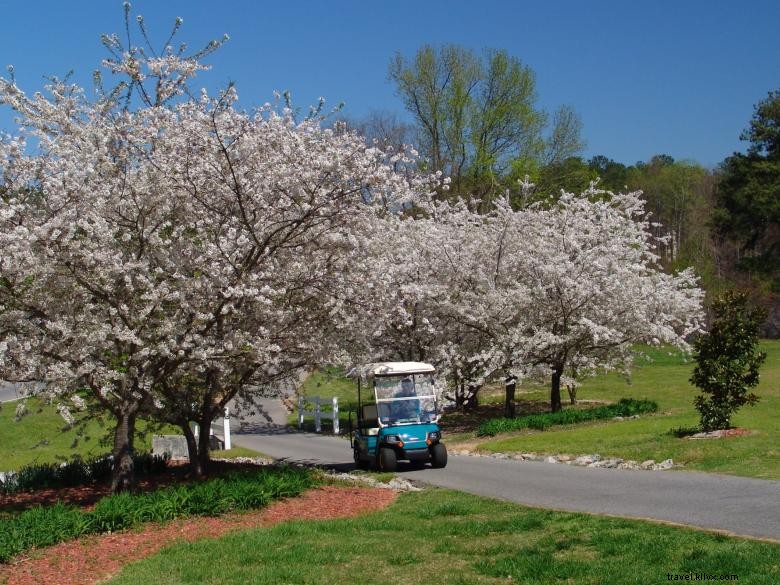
(722, 434)
(97, 558)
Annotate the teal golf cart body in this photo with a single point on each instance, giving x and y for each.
(397, 416)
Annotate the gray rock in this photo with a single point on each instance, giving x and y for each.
(606, 463)
(174, 445)
(550, 459)
(587, 460)
(664, 465)
(402, 485)
(647, 464)
(250, 460)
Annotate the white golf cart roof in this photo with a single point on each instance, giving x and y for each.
(392, 369)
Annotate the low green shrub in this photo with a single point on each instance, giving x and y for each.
(44, 526)
(682, 432)
(76, 472)
(41, 526)
(541, 422)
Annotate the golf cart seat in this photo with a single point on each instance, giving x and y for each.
(370, 419)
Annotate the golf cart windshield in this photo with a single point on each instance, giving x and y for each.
(405, 399)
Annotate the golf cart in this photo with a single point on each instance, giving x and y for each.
(397, 418)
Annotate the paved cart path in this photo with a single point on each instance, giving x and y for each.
(8, 391)
(739, 505)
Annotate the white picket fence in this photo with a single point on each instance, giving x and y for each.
(318, 414)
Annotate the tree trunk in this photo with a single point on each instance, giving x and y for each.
(123, 478)
(204, 443)
(555, 391)
(460, 393)
(192, 449)
(471, 399)
(509, 403)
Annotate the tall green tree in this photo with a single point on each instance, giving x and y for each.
(727, 361)
(672, 190)
(748, 196)
(613, 175)
(476, 114)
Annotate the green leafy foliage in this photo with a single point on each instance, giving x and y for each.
(540, 422)
(41, 526)
(748, 200)
(77, 471)
(727, 361)
(44, 526)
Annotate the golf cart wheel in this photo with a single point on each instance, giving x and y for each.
(386, 460)
(439, 455)
(359, 463)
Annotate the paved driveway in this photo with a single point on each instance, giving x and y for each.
(8, 391)
(738, 505)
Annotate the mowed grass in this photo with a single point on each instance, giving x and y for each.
(441, 536)
(42, 437)
(330, 382)
(665, 380)
(327, 383)
(237, 451)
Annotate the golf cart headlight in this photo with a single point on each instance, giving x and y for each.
(392, 439)
(434, 435)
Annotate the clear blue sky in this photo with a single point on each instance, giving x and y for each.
(676, 77)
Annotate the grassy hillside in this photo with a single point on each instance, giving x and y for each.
(665, 380)
(42, 437)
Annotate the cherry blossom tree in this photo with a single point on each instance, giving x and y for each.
(163, 250)
(585, 287)
(553, 290)
(427, 265)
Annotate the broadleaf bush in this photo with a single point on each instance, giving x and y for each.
(626, 407)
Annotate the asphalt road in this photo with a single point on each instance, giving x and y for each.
(743, 506)
(8, 391)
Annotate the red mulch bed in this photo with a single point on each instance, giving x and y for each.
(84, 496)
(737, 432)
(96, 558)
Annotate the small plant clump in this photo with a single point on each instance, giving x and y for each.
(727, 361)
(44, 526)
(626, 407)
(682, 432)
(76, 472)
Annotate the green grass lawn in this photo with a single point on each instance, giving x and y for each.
(440, 536)
(665, 380)
(237, 451)
(326, 384)
(41, 437)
